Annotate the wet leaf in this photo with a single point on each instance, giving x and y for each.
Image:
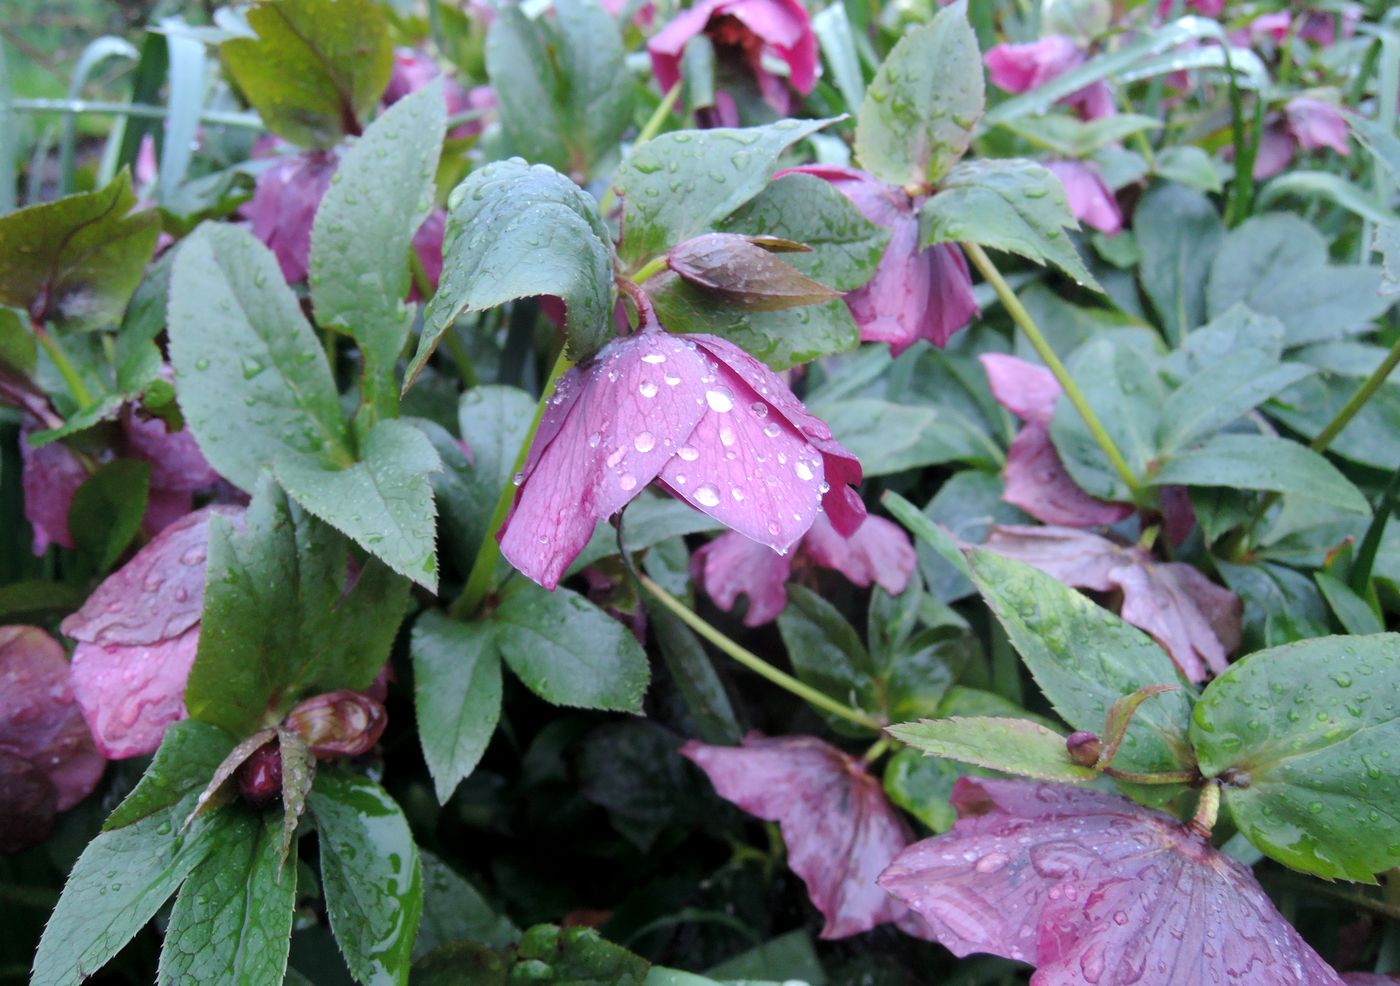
(457, 695)
(1262, 462)
(107, 509)
(454, 910)
(1014, 746)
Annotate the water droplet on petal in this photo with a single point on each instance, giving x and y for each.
(804, 471)
(644, 442)
(647, 389)
(720, 399)
(687, 453)
(707, 496)
(628, 482)
(653, 358)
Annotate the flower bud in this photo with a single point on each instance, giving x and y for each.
(1084, 748)
(338, 724)
(260, 776)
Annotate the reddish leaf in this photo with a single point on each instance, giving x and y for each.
(1095, 890)
(743, 273)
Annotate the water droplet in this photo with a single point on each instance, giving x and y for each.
(726, 436)
(628, 482)
(653, 358)
(518, 478)
(644, 442)
(687, 453)
(759, 409)
(720, 399)
(594, 439)
(804, 472)
(707, 496)
(647, 389)
(771, 429)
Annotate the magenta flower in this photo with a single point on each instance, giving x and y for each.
(915, 294)
(1320, 26)
(1090, 200)
(427, 244)
(1036, 479)
(1208, 8)
(47, 759)
(1094, 889)
(714, 425)
(1196, 621)
(284, 205)
(1316, 123)
(138, 633)
(51, 474)
(839, 828)
(744, 32)
(178, 468)
(414, 69)
(1020, 68)
(731, 565)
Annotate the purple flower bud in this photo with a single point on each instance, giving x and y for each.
(1084, 748)
(260, 776)
(338, 724)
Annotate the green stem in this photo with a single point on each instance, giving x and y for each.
(1026, 324)
(649, 130)
(66, 369)
(650, 269)
(484, 565)
(755, 663)
(249, 121)
(1207, 810)
(1166, 777)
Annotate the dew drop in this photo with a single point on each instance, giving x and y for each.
(759, 409)
(720, 399)
(518, 478)
(647, 389)
(804, 472)
(628, 482)
(771, 429)
(707, 496)
(653, 358)
(687, 453)
(644, 442)
(594, 439)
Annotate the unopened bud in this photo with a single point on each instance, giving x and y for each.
(338, 724)
(260, 776)
(1084, 748)
(744, 272)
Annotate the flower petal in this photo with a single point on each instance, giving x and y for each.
(51, 475)
(1090, 199)
(1038, 483)
(732, 565)
(129, 694)
(879, 551)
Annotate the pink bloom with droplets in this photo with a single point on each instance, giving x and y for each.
(716, 427)
(914, 294)
(744, 31)
(1094, 889)
(1019, 68)
(284, 206)
(1090, 200)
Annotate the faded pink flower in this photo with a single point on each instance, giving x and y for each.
(51, 475)
(731, 565)
(1196, 621)
(715, 426)
(1020, 68)
(284, 205)
(915, 294)
(1274, 26)
(839, 828)
(1094, 889)
(1036, 479)
(1320, 26)
(178, 468)
(1316, 124)
(744, 31)
(427, 243)
(1090, 200)
(47, 759)
(138, 633)
(414, 69)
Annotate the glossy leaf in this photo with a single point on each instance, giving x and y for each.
(457, 695)
(107, 509)
(826, 651)
(1262, 462)
(188, 756)
(1014, 746)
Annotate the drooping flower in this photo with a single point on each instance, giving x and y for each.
(1196, 621)
(731, 565)
(338, 724)
(1308, 123)
(744, 32)
(715, 426)
(915, 294)
(1320, 25)
(1094, 889)
(47, 759)
(840, 829)
(1020, 68)
(1090, 200)
(284, 205)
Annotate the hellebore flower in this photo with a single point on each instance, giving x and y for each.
(1090, 200)
(915, 294)
(1306, 122)
(839, 828)
(732, 565)
(284, 206)
(414, 69)
(1094, 889)
(138, 633)
(718, 428)
(1196, 621)
(1209, 8)
(1020, 68)
(744, 31)
(338, 724)
(47, 759)
(1320, 26)
(51, 475)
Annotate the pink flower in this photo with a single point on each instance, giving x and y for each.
(1273, 26)
(51, 475)
(839, 828)
(1208, 8)
(1317, 124)
(414, 69)
(731, 565)
(1036, 479)
(1022, 67)
(284, 205)
(744, 31)
(1320, 26)
(138, 633)
(915, 294)
(47, 759)
(1090, 200)
(427, 243)
(718, 429)
(1092, 888)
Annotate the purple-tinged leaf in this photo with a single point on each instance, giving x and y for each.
(732, 565)
(129, 693)
(878, 552)
(51, 476)
(737, 270)
(839, 828)
(1095, 890)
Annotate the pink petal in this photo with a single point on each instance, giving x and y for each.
(164, 508)
(176, 462)
(413, 69)
(1090, 199)
(1274, 26)
(157, 595)
(51, 475)
(666, 46)
(609, 429)
(1095, 889)
(1317, 124)
(782, 25)
(1275, 152)
(1076, 558)
(284, 205)
(1038, 483)
(39, 720)
(880, 551)
(1196, 621)
(882, 204)
(129, 694)
(839, 828)
(731, 566)
(1021, 67)
(1025, 389)
(427, 244)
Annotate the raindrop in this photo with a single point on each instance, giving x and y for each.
(518, 478)
(628, 482)
(647, 389)
(771, 429)
(707, 496)
(759, 409)
(644, 442)
(721, 399)
(653, 358)
(687, 453)
(804, 472)
(594, 439)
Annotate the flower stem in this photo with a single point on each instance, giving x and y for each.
(755, 663)
(650, 269)
(649, 130)
(484, 565)
(1026, 324)
(65, 366)
(1207, 810)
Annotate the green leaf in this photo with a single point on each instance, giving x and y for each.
(1261, 462)
(360, 241)
(278, 623)
(1332, 188)
(517, 231)
(1085, 658)
(316, 67)
(919, 673)
(457, 695)
(580, 957)
(370, 874)
(827, 653)
(384, 501)
(568, 651)
(1304, 738)
(1178, 232)
(919, 112)
(76, 261)
(1371, 438)
(683, 183)
(942, 542)
(189, 754)
(1215, 396)
(923, 786)
(889, 437)
(564, 89)
(1013, 746)
(1387, 243)
(453, 910)
(1010, 204)
(232, 921)
(251, 374)
(834, 33)
(298, 774)
(107, 509)
(18, 349)
(845, 246)
(1188, 165)
(1068, 136)
(1351, 610)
